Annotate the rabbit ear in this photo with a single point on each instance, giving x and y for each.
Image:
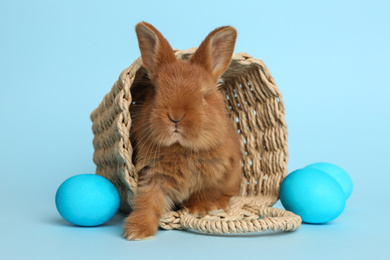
(155, 49)
(215, 52)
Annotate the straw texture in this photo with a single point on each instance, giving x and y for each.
(255, 105)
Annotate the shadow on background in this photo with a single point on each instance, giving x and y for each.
(252, 234)
(117, 220)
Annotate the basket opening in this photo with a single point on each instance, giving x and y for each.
(249, 108)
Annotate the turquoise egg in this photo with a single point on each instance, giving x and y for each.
(338, 173)
(313, 195)
(87, 200)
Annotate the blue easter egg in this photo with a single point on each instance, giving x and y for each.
(87, 200)
(313, 195)
(336, 172)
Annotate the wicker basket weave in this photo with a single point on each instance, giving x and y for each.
(255, 105)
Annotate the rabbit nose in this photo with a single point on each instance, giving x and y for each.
(175, 121)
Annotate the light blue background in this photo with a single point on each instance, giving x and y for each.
(330, 60)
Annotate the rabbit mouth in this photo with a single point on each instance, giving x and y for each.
(176, 130)
(177, 135)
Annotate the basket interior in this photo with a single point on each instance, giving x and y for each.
(256, 108)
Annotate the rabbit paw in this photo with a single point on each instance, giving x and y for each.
(138, 229)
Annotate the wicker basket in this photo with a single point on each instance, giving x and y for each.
(255, 105)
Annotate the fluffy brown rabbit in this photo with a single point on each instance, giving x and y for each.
(187, 149)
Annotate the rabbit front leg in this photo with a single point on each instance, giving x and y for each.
(151, 202)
